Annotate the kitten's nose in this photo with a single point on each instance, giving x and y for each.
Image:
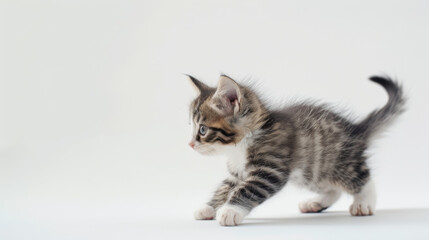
(191, 144)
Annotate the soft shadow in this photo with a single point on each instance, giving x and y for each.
(381, 217)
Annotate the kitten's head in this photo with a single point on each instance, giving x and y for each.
(222, 116)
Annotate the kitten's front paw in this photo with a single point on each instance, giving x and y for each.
(311, 207)
(230, 215)
(361, 209)
(206, 212)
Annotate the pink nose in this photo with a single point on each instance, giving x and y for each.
(192, 144)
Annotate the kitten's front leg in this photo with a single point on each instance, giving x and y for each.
(208, 211)
(261, 183)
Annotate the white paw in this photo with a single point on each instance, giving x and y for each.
(361, 209)
(206, 212)
(230, 215)
(311, 207)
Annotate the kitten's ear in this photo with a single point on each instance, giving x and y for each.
(197, 85)
(227, 97)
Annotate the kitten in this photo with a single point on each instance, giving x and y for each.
(305, 144)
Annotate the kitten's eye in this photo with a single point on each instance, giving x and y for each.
(203, 130)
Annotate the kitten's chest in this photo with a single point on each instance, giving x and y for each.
(237, 159)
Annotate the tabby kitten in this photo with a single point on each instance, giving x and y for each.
(303, 143)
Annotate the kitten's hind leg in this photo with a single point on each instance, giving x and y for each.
(320, 203)
(364, 201)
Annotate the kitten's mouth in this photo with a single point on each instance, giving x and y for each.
(204, 151)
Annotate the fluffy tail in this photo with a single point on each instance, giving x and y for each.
(381, 118)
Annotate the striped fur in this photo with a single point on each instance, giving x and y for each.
(309, 144)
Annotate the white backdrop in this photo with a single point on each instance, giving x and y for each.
(94, 107)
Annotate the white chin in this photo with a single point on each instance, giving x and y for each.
(206, 151)
(211, 150)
